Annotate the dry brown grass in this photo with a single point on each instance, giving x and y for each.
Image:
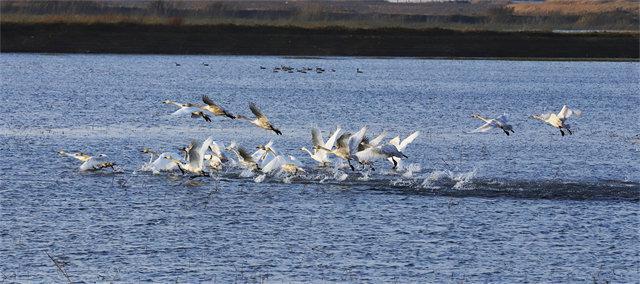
(575, 7)
(83, 19)
(477, 15)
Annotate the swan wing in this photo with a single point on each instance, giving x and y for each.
(544, 116)
(95, 163)
(216, 149)
(332, 140)
(391, 151)
(205, 146)
(193, 155)
(355, 139)
(274, 164)
(316, 137)
(407, 141)
(343, 140)
(376, 141)
(270, 145)
(369, 154)
(258, 154)
(185, 110)
(484, 128)
(164, 164)
(256, 111)
(504, 119)
(212, 106)
(554, 120)
(89, 165)
(244, 155)
(565, 112)
(395, 141)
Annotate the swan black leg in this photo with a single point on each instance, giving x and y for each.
(561, 132)
(350, 165)
(570, 133)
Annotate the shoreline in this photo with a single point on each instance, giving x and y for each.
(549, 59)
(317, 42)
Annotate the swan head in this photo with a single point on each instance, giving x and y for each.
(166, 102)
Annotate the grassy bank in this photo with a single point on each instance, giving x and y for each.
(296, 41)
(496, 15)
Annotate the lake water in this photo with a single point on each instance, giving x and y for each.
(530, 207)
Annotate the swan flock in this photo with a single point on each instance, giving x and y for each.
(340, 150)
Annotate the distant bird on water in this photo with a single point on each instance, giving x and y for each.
(177, 64)
(359, 71)
(559, 120)
(205, 64)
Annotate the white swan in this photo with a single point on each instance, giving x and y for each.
(499, 122)
(261, 120)
(263, 153)
(559, 120)
(366, 143)
(214, 108)
(319, 145)
(183, 109)
(77, 155)
(217, 157)
(388, 151)
(90, 163)
(282, 164)
(347, 146)
(195, 158)
(162, 164)
(401, 146)
(244, 158)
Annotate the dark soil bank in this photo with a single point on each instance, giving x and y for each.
(264, 40)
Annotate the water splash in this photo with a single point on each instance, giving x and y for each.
(260, 178)
(247, 173)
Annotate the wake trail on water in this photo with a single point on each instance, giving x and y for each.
(413, 179)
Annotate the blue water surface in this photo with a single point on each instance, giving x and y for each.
(485, 207)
